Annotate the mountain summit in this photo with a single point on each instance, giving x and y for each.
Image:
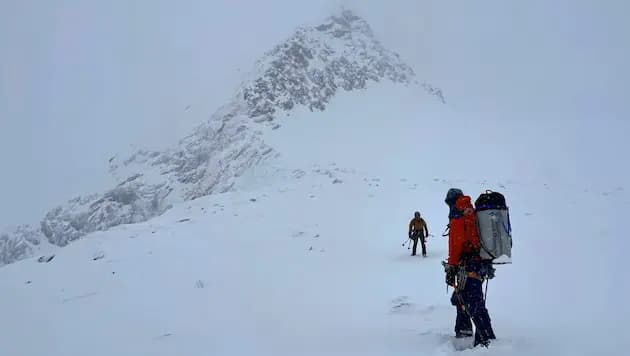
(306, 70)
(312, 65)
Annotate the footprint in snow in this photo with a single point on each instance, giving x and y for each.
(77, 297)
(401, 305)
(428, 310)
(163, 336)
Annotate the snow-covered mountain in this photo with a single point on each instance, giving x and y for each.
(304, 190)
(308, 70)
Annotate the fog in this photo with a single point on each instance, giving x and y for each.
(83, 80)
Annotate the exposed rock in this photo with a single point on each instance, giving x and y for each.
(45, 259)
(312, 65)
(19, 243)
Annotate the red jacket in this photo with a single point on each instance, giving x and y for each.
(463, 237)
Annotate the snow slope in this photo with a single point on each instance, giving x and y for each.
(306, 258)
(306, 71)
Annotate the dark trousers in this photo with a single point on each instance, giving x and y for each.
(415, 237)
(463, 325)
(471, 306)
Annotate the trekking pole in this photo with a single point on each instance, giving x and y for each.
(485, 297)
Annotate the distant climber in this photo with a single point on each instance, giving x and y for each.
(465, 270)
(418, 231)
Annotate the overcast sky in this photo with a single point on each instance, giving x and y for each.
(82, 80)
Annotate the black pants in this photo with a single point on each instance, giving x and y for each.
(473, 308)
(415, 237)
(463, 324)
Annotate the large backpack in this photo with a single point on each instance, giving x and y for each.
(495, 230)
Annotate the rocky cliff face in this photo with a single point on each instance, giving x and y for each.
(19, 243)
(307, 70)
(312, 65)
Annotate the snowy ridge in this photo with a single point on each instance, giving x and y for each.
(307, 70)
(315, 62)
(128, 203)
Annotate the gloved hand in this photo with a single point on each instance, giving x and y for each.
(487, 270)
(450, 278)
(451, 273)
(490, 273)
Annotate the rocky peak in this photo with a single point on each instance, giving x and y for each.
(314, 63)
(344, 25)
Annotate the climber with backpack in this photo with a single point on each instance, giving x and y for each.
(466, 270)
(418, 231)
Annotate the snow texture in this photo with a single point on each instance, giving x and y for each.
(317, 270)
(307, 70)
